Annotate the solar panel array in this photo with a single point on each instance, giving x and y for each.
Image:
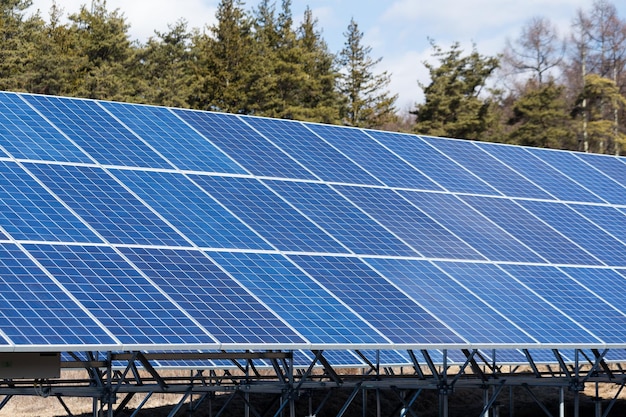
(138, 227)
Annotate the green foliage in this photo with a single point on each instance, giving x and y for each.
(453, 104)
(368, 102)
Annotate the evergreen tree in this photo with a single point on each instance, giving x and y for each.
(224, 61)
(541, 117)
(453, 104)
(163, 67)
(368, 102)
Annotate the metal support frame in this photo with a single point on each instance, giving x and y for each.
(277, 389)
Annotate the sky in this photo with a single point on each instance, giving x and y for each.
(398, 31)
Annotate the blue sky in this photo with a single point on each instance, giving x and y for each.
(397, 30)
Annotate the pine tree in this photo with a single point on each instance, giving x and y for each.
(453, 104)
(368, 102)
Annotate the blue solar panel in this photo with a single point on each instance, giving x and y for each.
(349, 225)
(598, 317)
(537, 235)
(390, 311)
(438, 167)
(29, 212)
(589, 177)
(268, 214)
(316, 155)
(36, 311)
(244, 145)
(489, 169)
(319, 316)
(126, 303)
(576, 228)
(611, 166)
(410, 224)
(373, 157)
(522, 306)
(173, 138)
(611, 219)
(27, 135)
(608, 284)
(214, 299)
(106, 205)
(471, 226)
(97, 132)
(191, 210)
(454, 305)
(544, 175)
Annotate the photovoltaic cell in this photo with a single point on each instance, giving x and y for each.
(373, 157)
(268, 214)
(471, 226)
(97, 132)
(537, 235)
(541, 173)
(518, 303)
(557, 288)
(319, 317)
(191, 210)
(173, 138)
(581, 231)
(589, 177)
(489, 169)
(438, 167)
(106, 205)
(390, 311)
(27, 135)
(244, 145)
(610, 165)
(610, 219)
(35, 311)
(349, 225)
(454, 305)
(214, 299)
(311, 151)
(409, 223)
(608, 284)
(29, 212)
(118, 296)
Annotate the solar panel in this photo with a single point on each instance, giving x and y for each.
(139, 227)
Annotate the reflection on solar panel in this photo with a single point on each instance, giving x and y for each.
(165, 229)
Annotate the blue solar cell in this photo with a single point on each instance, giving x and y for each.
(387, 357)
(125, 302)
(597, 316)
(438, 167)
(590, 178)
(106, 205)
(348, 224)
(608, 284)
(537, 235)
(25, 134)
(582, 232)
(97, 132)
(541, 173)
(36, 311)
(613, 166)
(489, 169)
(410, 224)
(318, 316)
(214, 299)
(311, 151)
(373, 157)
(390, 311)
(244, 145)
(29, 212)
(611, 219)
(536, 316)
(471, 226)
(458, 308)
(173, 138)
(191, 210)
(269, 215)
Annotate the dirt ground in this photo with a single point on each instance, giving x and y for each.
(462, 403)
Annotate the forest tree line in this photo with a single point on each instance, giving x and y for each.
(544, 89)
